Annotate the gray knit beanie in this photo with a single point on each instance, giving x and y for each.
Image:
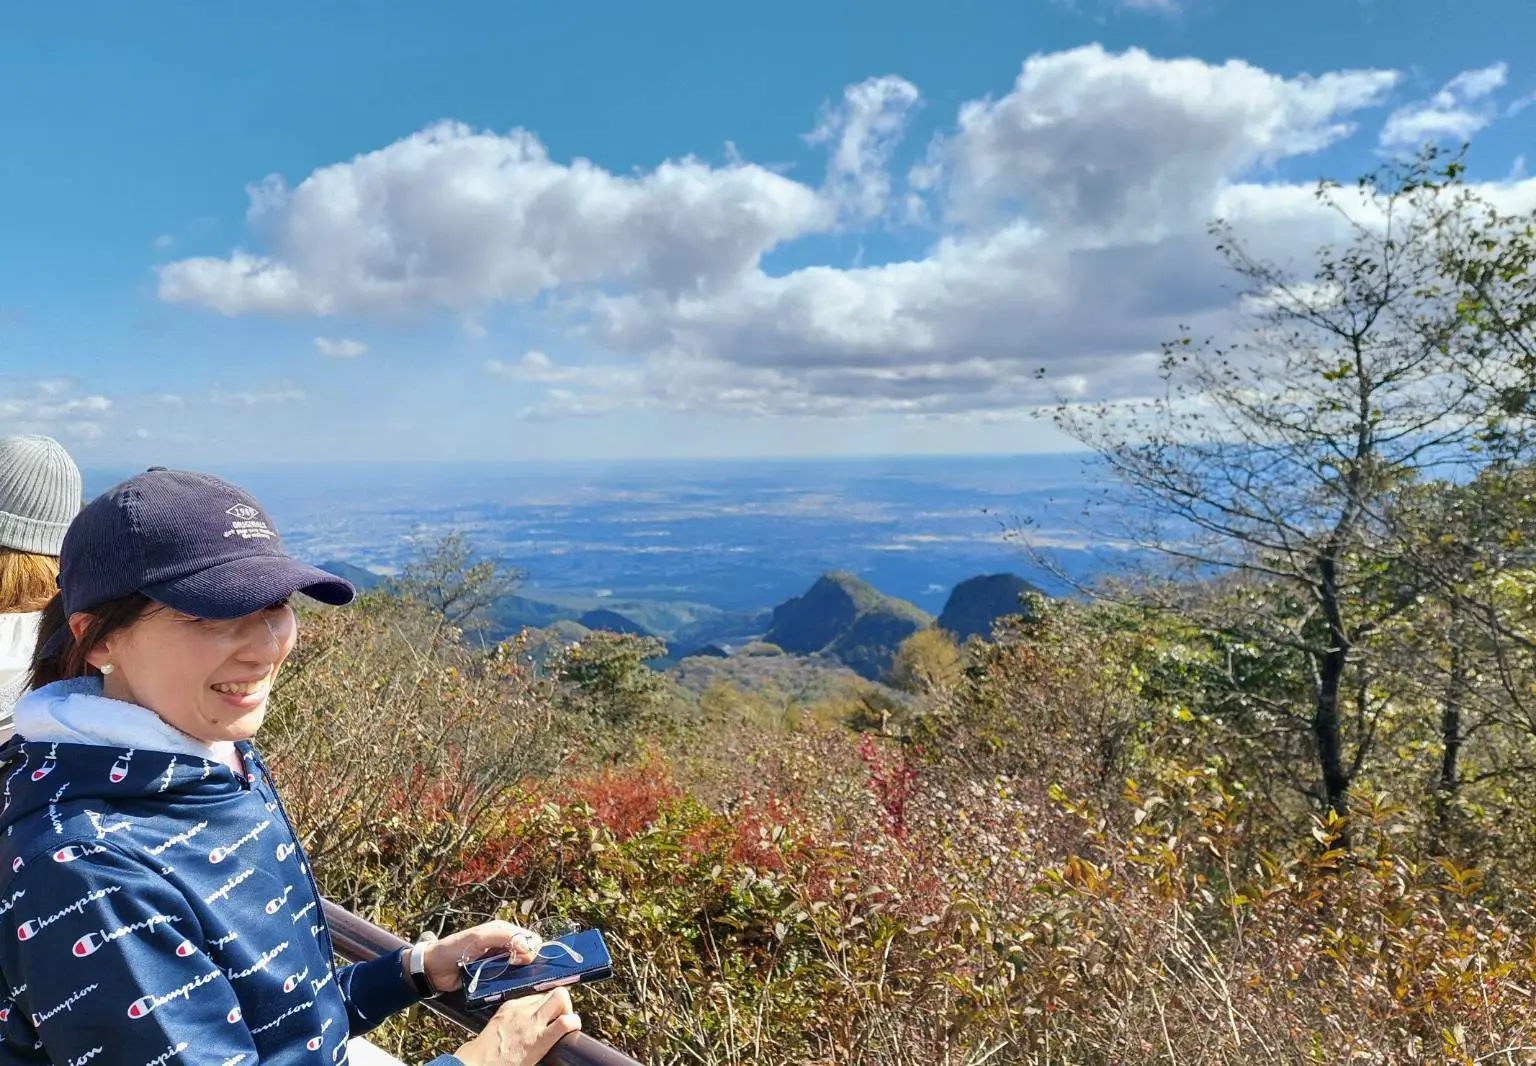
(39, 494)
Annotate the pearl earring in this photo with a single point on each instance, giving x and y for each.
(107, 668)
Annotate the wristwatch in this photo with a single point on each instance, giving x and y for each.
(416, 970)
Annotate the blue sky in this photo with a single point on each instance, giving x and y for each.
(801, 228)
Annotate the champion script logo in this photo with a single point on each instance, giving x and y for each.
(38, 1018)
(144, 1005)
(54, 818)
(168, 1054)
(262, 962)
(71, 852)
(274, 905)
(218, 855)
(30, 928)
(91, 943)
(49, 762)
(169, 775)
(283, 1017)
(102, 827)
(179, 838)
(223, 891)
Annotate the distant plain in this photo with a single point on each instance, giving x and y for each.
(733, 535)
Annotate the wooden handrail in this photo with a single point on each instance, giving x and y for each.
(356, 939)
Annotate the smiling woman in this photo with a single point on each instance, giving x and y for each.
(143, 832)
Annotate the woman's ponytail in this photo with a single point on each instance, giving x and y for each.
(46, 667)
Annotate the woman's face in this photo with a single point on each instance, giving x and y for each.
(209, 679)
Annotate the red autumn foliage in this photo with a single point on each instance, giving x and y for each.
(625, 800)
(893, 782)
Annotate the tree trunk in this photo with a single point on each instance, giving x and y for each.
(1325, 715)
(1450, 734)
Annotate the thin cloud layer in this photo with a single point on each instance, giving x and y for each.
(53, 409)
(1065, 219)
(865, 130)
(1456, 112)
(340, 347)
(73, 413)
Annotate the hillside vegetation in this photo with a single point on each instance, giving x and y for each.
(801, 679)
(1274, 808)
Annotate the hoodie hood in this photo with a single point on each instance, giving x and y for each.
(108, 751)
(18, 634)
(76, 712)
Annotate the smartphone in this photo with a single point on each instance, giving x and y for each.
(578, 958)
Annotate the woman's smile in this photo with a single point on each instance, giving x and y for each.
(246, 695)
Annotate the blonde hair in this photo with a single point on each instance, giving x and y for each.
(27, 581)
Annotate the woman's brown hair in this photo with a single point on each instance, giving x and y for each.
(27, 581)
(69, 660)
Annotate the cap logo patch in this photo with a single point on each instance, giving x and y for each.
(247, 524)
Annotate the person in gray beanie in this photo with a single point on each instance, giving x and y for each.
(39, 496)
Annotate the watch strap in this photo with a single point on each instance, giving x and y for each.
(416, 968)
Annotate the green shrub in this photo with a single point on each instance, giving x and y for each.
(1048, 869)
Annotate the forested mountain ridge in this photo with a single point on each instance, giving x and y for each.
(847, 619)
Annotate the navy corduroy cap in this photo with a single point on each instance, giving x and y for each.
(192, 542)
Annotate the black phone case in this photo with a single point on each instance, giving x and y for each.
(543, 974)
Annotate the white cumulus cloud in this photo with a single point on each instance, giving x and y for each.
(1127, 146)
(1076, 208)
(452, 217)
(1069, 233)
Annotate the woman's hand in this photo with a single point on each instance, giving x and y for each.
(442, 957)
(522, 1031)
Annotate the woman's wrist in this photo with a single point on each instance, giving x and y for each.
(413, 965)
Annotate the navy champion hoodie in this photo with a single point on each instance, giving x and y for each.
(155, 908)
